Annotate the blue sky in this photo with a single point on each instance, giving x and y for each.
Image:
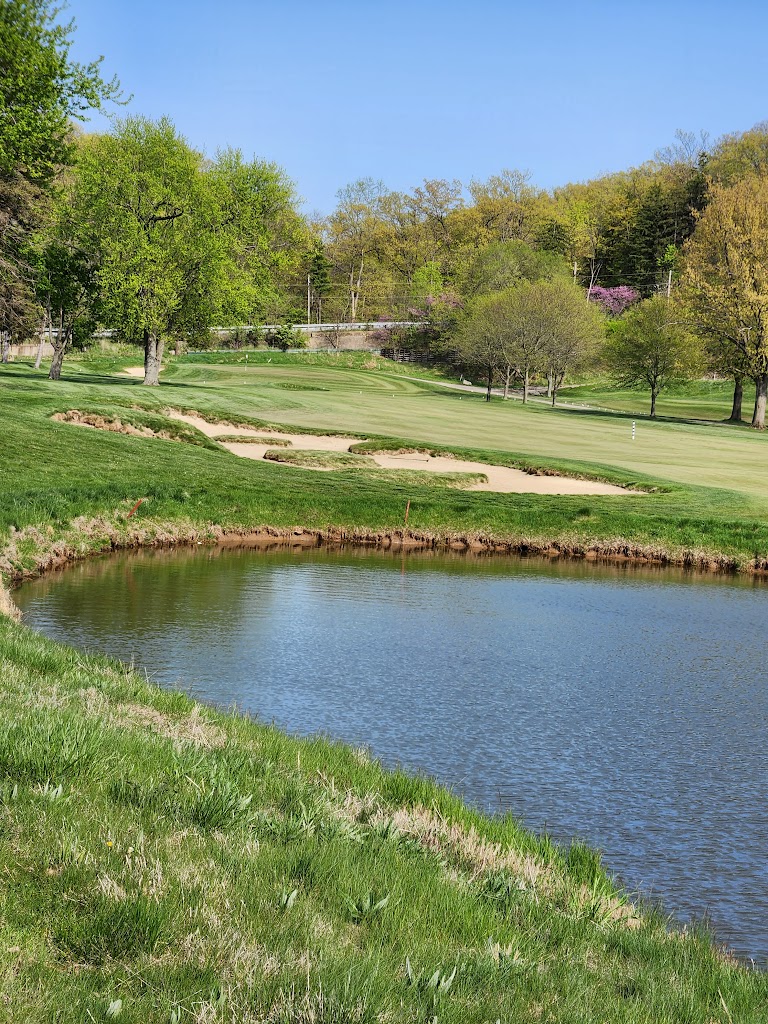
(335, 90)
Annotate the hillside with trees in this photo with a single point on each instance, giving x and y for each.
(134, 232)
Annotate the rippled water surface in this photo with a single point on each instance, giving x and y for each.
(630, 709)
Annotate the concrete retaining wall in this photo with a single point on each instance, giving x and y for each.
(29, 351)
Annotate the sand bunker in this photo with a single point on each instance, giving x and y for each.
(500, 479)
(133, 371)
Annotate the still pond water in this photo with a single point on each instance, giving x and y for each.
(627, 708)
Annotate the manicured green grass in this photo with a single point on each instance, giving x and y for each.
(177, 864)
(383, 404)
(54, 472)
(696, 400)
(168, 863)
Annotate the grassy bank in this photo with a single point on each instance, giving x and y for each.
(174, 864)
(164, 862)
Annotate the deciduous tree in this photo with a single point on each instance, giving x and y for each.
(652, 348)
(141, 210)
(41, 89)
(725, 278)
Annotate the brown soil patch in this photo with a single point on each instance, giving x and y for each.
(7, 607)
(499, 479)
(114, 425)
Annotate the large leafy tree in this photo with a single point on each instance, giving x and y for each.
(541, 326)
(354, 235)
(501, 265)
(725, 279)
(262, 239)
(141, 207)
(652, 348)
(572, 330)
(41, 90)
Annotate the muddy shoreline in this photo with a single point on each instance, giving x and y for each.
(98, 537)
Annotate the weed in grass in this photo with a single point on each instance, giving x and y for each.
(386, 830)
(286, 899)
(430, 987)
(218, 805)
(366, 907)
(51, 793)
(9, 791)
(504, 890)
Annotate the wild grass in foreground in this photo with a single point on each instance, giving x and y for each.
(165, 862)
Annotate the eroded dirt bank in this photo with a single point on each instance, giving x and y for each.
(31, 552)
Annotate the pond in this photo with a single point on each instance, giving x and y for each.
(626, 707)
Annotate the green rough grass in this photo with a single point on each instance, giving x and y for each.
(277, 442)
(200, 866)
(693, 400)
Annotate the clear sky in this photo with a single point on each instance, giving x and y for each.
(335, 90)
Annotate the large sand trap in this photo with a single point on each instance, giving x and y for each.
(133, 371)
(501, 479)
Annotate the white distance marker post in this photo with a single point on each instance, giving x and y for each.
(633, 430)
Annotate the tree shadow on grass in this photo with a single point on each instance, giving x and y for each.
(91, 377)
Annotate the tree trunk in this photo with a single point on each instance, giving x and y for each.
(506, 382)
(60, 346)
(57, 359)
(761, 393)
(41, 345)
(490, 383)
(550, 382)
(738, 395)
(354, 290)
(525, 386)
(554, 395)
(5, 346)
(653, 403)
(153, 358)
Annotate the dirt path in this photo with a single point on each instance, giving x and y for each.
(501, 479)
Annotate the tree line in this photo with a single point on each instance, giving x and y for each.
(657, 272)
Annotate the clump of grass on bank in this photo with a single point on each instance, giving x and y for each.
(319, 459)
(276, 442)
(167, 862)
